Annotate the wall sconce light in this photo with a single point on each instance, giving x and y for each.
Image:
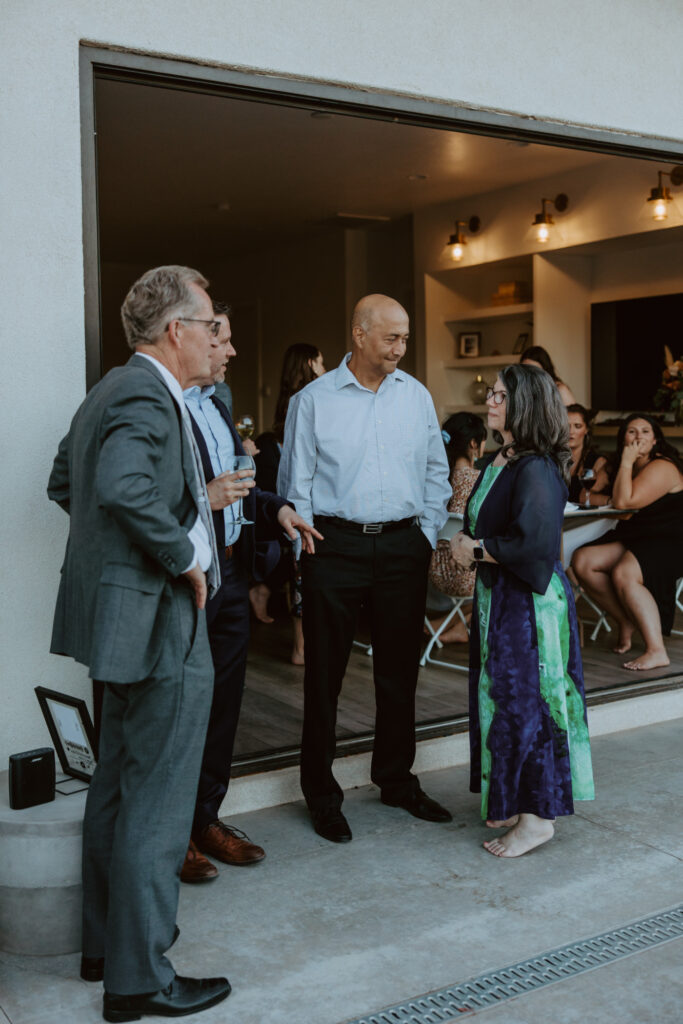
(457, 240)
(660, 196)
(543, 221)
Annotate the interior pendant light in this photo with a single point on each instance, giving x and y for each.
(543, 222)
(457, 241)
(660, 196)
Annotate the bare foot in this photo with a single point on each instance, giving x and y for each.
(297, 657)
(508, 823)
(529, 832)
(258, 598)
(455, 635)
(625, 638)
(651, 659)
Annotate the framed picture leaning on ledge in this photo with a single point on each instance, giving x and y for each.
(71, 729)
(468, 344)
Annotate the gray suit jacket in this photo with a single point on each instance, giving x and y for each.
(124, 473)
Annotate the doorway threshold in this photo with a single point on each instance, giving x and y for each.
(287, 757)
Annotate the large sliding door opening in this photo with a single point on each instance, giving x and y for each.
(293, 212)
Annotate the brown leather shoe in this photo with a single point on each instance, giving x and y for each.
(228, 844)
(196, 867)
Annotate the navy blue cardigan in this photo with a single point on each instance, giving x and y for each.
(520, 521)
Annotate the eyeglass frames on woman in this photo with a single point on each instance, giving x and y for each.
(497, 396)
(214, 326)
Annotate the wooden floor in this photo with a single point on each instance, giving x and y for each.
(273, 699)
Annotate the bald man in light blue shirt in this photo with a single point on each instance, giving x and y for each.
(364, 459)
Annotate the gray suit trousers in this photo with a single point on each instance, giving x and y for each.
(141, 802)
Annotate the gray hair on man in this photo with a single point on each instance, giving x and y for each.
(160, 295)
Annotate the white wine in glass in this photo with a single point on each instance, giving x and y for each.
(245, 426)
(241, 462)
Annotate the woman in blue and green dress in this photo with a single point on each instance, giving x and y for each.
(530, 753)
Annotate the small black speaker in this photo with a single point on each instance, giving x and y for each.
(31, 778)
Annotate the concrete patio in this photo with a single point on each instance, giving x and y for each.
(322, 934)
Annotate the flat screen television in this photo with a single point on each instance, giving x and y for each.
(627, 349)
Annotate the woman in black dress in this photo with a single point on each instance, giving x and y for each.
(584, 456)
(632, 572)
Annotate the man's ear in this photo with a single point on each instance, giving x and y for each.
(358, 335)
(173, 333)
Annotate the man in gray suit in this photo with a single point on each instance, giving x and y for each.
(131, 607)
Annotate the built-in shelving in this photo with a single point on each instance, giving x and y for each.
(459, 301)
(476, 362)
(511, 312)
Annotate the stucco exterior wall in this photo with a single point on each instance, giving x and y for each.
(593, 62)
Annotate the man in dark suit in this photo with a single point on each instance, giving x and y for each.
(228, 611)
(131, 607)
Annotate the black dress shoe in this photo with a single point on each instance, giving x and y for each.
(92, 967)
(420, 805)
(182, 996)
(331, 824)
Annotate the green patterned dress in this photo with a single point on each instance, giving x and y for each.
(531, 743)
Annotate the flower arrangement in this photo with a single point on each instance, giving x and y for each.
(669, 394)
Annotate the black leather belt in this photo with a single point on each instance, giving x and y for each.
(372, 528)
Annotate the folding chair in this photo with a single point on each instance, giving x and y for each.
(601, 622)
(679, 605)
(426, 659)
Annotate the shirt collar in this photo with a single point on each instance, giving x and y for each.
(171, 382)
(344, 376)
(197, 394)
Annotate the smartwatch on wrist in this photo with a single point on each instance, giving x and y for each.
(478, 550)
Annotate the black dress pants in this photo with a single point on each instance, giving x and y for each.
(228, 622)
(387, 573)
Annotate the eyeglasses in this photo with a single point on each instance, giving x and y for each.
(214, 326)
(497, 396)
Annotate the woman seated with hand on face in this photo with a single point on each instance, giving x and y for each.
(632, 571)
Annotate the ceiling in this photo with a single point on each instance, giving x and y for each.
(213, 176)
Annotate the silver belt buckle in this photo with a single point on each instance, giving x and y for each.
(373, 527)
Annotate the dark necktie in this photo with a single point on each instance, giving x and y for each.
(213, 575)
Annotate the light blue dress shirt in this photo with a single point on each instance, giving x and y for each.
(197, 535)
(366, 456)
(220, 444)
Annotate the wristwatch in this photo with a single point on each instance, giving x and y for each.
(478, 550)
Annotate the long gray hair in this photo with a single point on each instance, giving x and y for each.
(536, 416)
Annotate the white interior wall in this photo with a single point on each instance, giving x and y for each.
(562, 289)
(527, 57)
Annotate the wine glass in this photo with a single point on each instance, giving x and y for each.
(241, 462)
(245, 426)
(587, 480)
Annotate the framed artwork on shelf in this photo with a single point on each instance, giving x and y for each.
(469, 344)
(71, 730)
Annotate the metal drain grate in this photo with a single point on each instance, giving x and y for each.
(496, 986)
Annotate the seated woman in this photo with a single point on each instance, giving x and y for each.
(302, 363)
(632, 572)
(584, 456)
(464, 435)
(537, 356)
